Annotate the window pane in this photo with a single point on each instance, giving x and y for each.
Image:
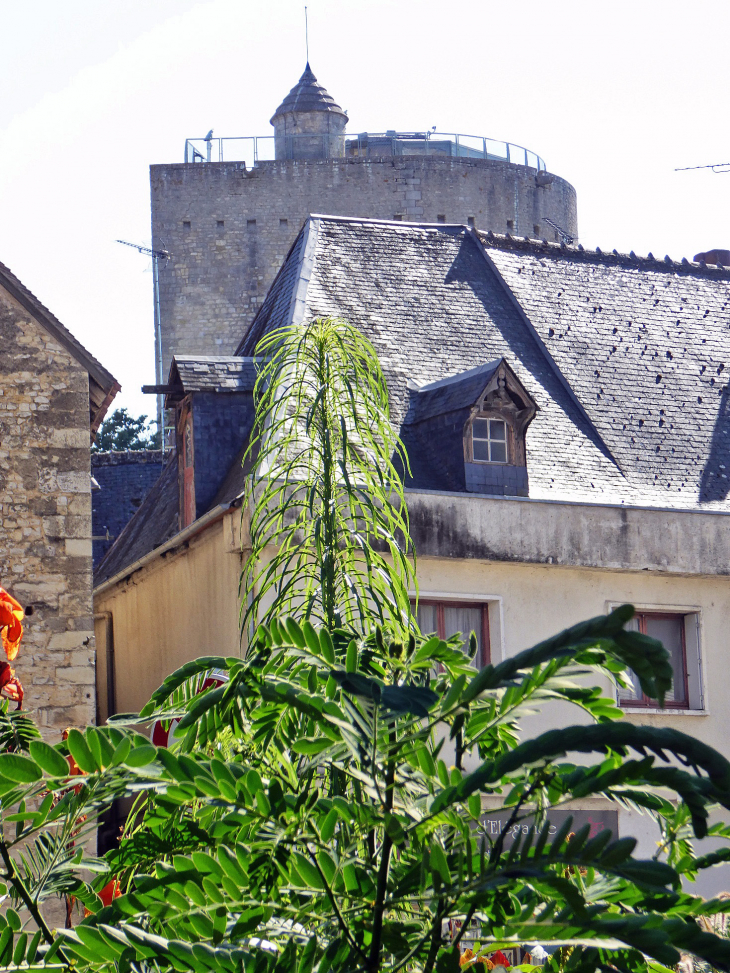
(497, 429)
(426, 617)
(669, 631)
(481, 450)
(498, 452)
(481, 428)
(465, 620)
(635, 691)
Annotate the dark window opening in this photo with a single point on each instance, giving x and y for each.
(398, 216)
(510, 224)
(536, 229)
(471, 221)
(445, 618)
(186, 224)
(283, 222)
(220, 223)
(251, 224)
(441, 218)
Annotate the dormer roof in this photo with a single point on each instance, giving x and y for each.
(308, 95)
(463, 391)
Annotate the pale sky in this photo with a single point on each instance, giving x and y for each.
(614, 96)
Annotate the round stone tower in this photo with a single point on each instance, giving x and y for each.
(228, 224)
(309, 124)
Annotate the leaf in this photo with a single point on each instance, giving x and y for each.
(20, 769)
(48, 759)
(79, 750)
(311, 746)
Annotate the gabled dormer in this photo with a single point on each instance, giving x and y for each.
(473, 426)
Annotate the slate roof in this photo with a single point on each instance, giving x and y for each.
(308, 95)
(623, 356)
(155, 522)
(449, 394)
(102, 384)
(212, 373)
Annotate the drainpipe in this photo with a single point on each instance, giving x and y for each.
(111, 688)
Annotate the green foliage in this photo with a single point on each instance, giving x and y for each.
(121, 431)
(325, 491)
(331, 832)
(322, 810)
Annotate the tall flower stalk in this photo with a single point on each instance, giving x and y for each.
(328, 522)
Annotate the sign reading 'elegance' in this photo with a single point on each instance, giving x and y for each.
(493, 824)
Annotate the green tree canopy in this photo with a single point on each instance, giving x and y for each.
(121, 431)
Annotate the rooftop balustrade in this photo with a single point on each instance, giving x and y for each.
(253, 149)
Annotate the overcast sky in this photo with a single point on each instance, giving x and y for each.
(614, 96)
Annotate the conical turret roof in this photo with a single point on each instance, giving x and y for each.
(308, 95)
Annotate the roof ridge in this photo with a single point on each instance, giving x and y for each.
(11, 282)
(507, 241)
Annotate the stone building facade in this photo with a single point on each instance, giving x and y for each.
(53, 395)
(228, 228)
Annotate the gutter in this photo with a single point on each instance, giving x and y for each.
(197, 527)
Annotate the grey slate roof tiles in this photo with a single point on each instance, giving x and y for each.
(626, 359)
(642, 344)
(209, 373)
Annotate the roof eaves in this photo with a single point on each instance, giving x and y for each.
(106, 385)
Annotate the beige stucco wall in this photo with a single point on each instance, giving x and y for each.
(45, 517)
(183, 605)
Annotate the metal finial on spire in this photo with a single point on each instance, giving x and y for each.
(306, 32)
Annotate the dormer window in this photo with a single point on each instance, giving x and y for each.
(489, 440)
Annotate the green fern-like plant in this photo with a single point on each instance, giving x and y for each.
(328, 521)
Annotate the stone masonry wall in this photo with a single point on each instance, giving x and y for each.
(45, 518)
(228, 229)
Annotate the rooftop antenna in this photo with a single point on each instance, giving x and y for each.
(306, 32)
(565, 237)
(717, 167)
(156, 255)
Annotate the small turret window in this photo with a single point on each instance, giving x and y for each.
(489, 441)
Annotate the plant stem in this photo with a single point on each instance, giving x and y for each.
(373, 963)
(16, 881)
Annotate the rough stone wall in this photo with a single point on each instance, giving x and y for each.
(45, 518)
(125, 477)
(229, 229)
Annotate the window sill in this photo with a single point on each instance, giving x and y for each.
(655, 711)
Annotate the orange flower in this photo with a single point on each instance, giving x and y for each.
(10, 687)
(112, 890)
(11, 629)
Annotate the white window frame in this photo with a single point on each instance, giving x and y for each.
(489, 419)
(696, 666)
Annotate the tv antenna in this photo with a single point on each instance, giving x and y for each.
(717, 167)
(156, 255)
(565, 237)
(306, 32)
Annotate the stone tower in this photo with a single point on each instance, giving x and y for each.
(309, 124)
(228, 224)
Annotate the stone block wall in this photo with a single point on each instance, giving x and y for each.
(45, 518)
(228, 229)
(125, 477)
